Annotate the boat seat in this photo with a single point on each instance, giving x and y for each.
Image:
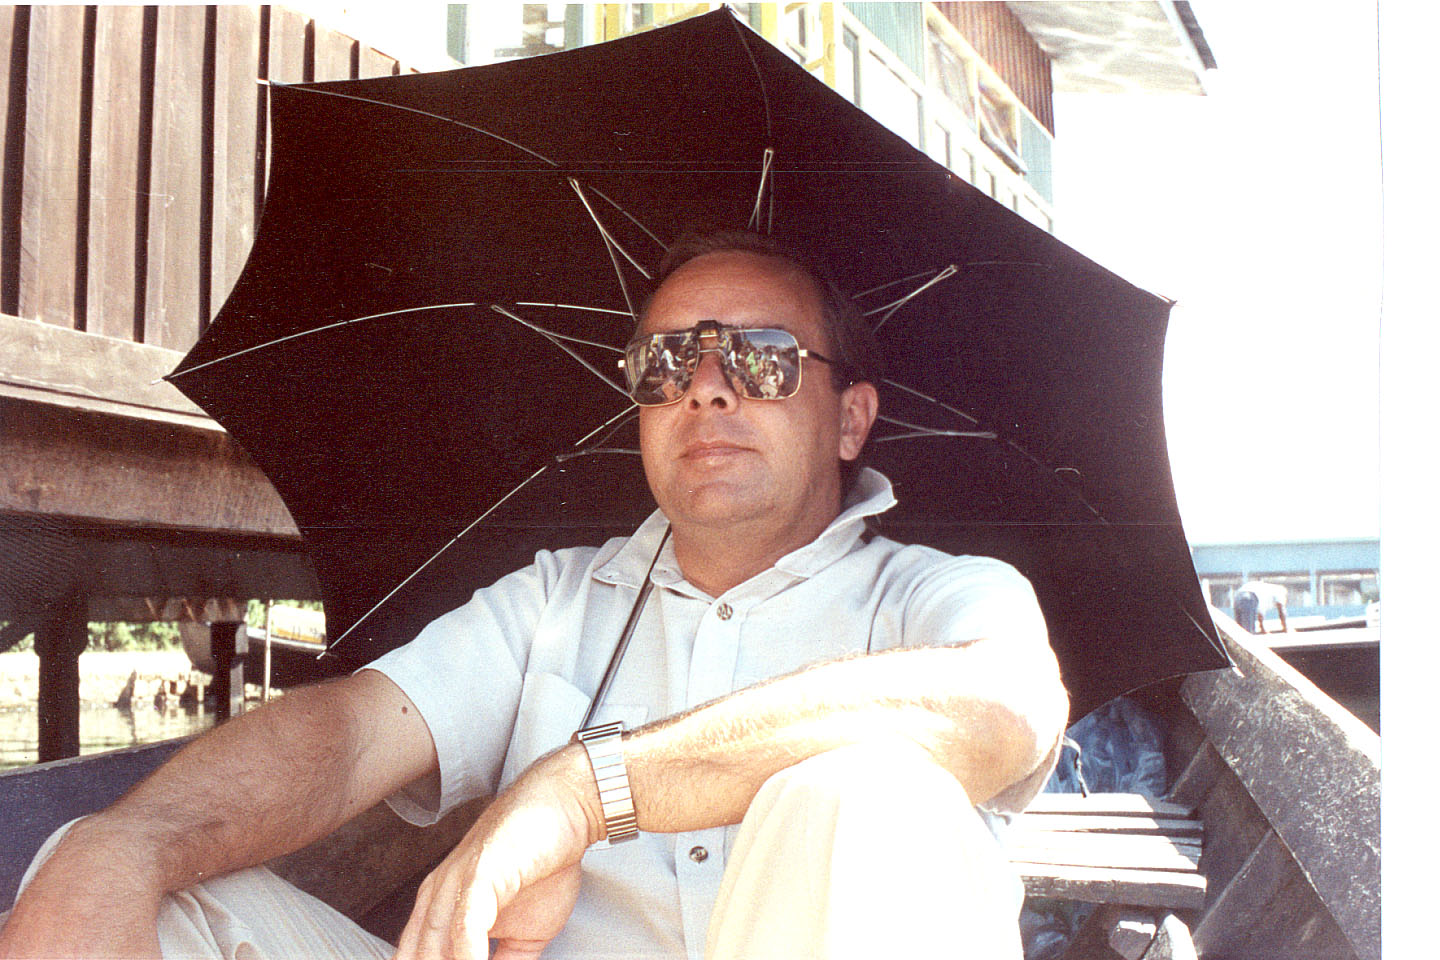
(1138, 858)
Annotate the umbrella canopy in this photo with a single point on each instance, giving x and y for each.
(392, 354)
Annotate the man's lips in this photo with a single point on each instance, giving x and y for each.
(708, 449)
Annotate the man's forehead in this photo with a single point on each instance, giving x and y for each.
(738, 288)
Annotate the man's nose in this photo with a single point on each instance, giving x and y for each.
(709, 386)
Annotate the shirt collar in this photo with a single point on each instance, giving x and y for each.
(626, 566)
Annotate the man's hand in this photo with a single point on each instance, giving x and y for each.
(516, 874)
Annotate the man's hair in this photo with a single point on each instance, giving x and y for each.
(850, 341)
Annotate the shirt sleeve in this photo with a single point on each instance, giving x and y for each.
(969, 600)
(464, 674)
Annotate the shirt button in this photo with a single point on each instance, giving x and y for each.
(699, 854)
(723, 611)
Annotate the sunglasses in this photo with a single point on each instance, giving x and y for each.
(760, 363)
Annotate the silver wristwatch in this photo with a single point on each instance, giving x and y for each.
(607, 760)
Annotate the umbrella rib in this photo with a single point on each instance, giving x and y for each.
(559, 340)
(416, 572)
(890, 308)
(759, 76)
(609, 238)
(306, 333)
(423, 113)
(610, 247)
(573, 306)
(648, 232)
(925, 396)
(754, 223)
(622, 416)
(919, 430)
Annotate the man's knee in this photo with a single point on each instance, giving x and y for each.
(872, 773)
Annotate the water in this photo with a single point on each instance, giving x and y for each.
(101, 728)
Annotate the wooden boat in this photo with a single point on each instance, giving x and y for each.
(1277, 854)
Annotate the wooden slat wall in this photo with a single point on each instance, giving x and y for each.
(134, 156)
(1000, 38)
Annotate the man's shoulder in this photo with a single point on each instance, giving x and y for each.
(913, 562)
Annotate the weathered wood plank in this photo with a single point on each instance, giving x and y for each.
(237, 162)
(49, 364)
(50, 198)
(174, 268)
(1172, 941)
(334, 54)
(287, 45)
(109, 469)
(1107, 804)
(1101, 850)
(12, 150)
(1077, 823)
(1141, 888)
(1313, 771)
(1267, 911)
(373, 63)
(115, 176)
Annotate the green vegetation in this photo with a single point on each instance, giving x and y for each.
(158, 635)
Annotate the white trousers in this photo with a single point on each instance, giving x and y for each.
(863, 852)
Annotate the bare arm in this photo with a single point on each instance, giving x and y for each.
(987, 714)
(261, 785)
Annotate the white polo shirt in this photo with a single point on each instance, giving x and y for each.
(508, 676)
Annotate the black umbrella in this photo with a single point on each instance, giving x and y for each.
(392, 355)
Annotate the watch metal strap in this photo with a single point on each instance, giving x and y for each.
(602, 744)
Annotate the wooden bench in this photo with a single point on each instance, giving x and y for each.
(1138, 858)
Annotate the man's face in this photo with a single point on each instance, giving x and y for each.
(716, 459)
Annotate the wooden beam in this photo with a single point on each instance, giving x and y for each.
(50, 204)
(115, 176)
(1313, 770)
(59, 641)
(83, 371)
(229, 643)
(174, 269)
(88, 466)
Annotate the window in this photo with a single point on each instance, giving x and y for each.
(963, 164)
(1349, 588)
(937, 144)
(847, 67)
(950, 75)
(1297, 586)
(889, 99)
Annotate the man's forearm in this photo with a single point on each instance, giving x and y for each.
(261, 785)
(986, 718)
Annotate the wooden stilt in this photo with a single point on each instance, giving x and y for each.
(59, 641)
(229, 642)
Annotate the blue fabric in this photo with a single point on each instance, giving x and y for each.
(1122, 750)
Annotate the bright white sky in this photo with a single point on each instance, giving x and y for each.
(1257, 208)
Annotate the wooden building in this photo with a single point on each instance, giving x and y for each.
(134, 144)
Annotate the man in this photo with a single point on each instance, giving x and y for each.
(1252, 600)
(845, 700)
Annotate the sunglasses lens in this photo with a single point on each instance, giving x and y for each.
(658, 368)
(761, 363)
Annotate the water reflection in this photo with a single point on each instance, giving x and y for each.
(101, 728)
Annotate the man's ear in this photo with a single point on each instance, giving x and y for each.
(859, 403)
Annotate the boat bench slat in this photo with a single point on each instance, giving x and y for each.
(1109, 804)
(1042, 823)
(1112, 848)
(1140, 888)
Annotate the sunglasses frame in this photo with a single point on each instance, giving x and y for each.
(686, 374)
